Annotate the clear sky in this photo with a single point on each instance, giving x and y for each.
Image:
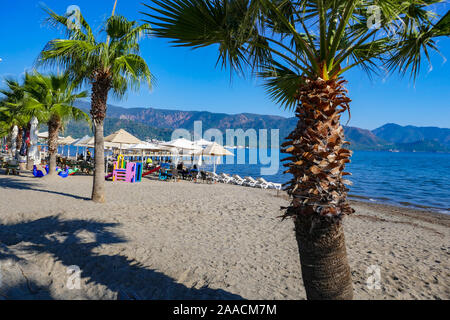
(189, 80)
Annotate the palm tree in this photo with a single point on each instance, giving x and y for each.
(108, 64)
(302, 49)
(50, 98)
(11, 113)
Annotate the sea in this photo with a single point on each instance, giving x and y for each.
(409, 179)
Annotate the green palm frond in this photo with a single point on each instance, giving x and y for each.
(282, 84)
(200, 23)
(83, 56)
(51, 95)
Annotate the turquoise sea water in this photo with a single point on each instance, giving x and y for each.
(419, 180)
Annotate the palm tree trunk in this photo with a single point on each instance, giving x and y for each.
(99, 100)
(323, 258)
(30, 162)
(53, 130)
(19, 141)
(319, 203)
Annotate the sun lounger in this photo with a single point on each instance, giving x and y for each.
(277, 186)
(214, 176)
(238, 179)
(12, 167)
(226, 178)
(263, 183)
(249, 181)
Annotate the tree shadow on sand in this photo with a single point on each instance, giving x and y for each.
(25, 290)
(66, 241)
(20, 184)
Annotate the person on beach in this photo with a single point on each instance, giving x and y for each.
(149, 163)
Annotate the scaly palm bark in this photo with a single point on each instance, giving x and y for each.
(318, 191)
(54, 125)
(100, 89)
(19, 141)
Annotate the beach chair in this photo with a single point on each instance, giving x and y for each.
(163, 175)
(249, 181)
(277, 186)
(226, 178)
(174, 174)
(12, 167)
(238, 179)
(262, 183)
(205, 177)
(214, 176)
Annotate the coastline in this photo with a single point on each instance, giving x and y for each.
(167, 240)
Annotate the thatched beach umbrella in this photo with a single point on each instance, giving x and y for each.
(43, 135)
(186, 147)
(215, 150)
(122, 137)
(67, 141)
(82, 142)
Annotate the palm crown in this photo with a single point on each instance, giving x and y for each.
(51, 96)
(86, 58)
(11, 107)
(289, 40)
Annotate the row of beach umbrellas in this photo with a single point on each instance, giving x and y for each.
(123, 140)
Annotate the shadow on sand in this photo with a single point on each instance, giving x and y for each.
(20, 184)
(64, 240)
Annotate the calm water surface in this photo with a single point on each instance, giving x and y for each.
(420, 180)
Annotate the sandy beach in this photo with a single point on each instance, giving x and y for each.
(166, 240)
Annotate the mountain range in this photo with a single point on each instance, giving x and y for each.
(151, 123)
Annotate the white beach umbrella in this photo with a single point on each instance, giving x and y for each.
(33, 153)
(82, 141)
(14, 133)
(183, 144)
(147, 146)
(202, 143)
(67, 141)
(107, 145)
(122, 137)
(215, 150)
(43, 135)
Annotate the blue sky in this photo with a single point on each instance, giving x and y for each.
(189, 80)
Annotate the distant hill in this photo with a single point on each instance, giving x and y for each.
(362, 139)
(140, 130)
(147, 123)
(173, 119)
(395, 133)
(422, 146)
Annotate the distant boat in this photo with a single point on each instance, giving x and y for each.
(394, 150)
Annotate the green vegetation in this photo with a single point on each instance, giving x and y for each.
(49, 98)
(111, 63)
(302, 50)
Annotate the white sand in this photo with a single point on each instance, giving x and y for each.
(163, 240)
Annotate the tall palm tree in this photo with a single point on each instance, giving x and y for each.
(302, 49)
(50, 98)
(12, 114)
(112, 63)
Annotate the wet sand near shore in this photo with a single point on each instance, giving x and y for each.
(167, 240)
